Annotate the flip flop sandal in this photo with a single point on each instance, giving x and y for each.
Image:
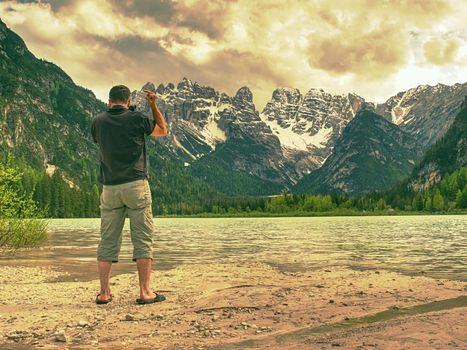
(158, 298)
(99, 301)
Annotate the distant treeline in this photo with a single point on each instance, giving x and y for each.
(56, 198)
(448, 195)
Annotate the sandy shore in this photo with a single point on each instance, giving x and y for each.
(234, 306)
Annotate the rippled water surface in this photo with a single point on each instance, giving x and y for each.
(435, 245)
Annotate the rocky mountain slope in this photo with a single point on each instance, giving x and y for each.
(426, 112)
(44, 116)
(372, 154)
(448, 154)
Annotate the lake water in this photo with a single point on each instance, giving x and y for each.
(434, 245)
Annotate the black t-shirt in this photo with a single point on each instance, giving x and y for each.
(122, 150)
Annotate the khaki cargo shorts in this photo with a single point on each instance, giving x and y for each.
(116, 202)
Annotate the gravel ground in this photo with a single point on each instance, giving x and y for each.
(234, 306)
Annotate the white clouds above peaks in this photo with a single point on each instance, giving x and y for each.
(373, 48)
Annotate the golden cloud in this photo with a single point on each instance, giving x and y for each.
(367, 38)
(408, 12)
(438, 51)
(375, 54)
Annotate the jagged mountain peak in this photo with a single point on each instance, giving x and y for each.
(287, 95)
(316, 91)
(245, 94)
(149, 86)
(12, 44)
(192, 112)
(160, 88)
(366, 108)
(192, 86)
(185, 84)
(186, 88)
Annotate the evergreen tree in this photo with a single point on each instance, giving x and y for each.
(438, 201)
(381, 204)
(461, 198)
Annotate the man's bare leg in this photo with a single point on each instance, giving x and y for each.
(104, 268)
(144, 266)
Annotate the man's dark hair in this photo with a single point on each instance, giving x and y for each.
(119, 93)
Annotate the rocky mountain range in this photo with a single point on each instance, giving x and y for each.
(221, 138)
(225, 141)
(308, 125)
(379, 155)
(267, 152)
(372, 154)
(220, 142)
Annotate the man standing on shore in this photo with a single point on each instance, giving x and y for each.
(120, 133)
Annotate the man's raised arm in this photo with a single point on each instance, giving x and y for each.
(161, 127)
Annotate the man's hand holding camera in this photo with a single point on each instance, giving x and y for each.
(151, 97)
(161, 127)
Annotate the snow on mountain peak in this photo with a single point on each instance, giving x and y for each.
(309, 122)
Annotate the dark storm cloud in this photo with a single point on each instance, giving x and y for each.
(131, 46)
(204, 16)
(163, 11)
(55, 4)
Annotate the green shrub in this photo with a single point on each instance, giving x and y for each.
(20, 233)
(20, 219)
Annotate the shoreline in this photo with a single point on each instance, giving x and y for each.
(324, 214)
(239, 305)
(289, 215)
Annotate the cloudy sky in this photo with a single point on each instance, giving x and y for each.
(374, 48)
